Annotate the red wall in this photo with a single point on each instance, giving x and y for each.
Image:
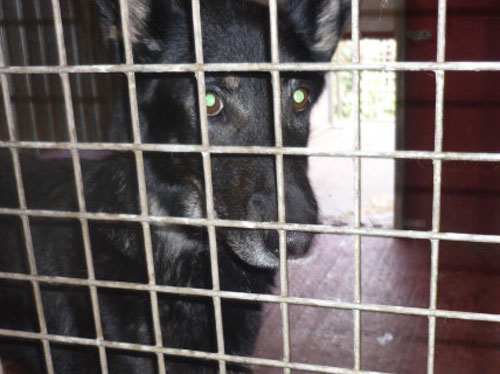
(471, 191)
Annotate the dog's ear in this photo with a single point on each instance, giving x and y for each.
(139, 13)
(150, 22)
(318, 23)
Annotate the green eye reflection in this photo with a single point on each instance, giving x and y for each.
(300, 99)
(213, 103)
(210, 99)
(299, 96)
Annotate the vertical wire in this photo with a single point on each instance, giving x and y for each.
(6, 61)
(25, 56)
(355, 34)
(436, 183)
(207, 171)
(78, 77)
(141, 181)
(30, 252)
(77, 170)
(332, 99)
(334, 102)
(280, 182)
(96, 104)
(338, 79)
(43, 57)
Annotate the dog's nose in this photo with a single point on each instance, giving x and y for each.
(297, 243)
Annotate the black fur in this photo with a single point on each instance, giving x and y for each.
(244, 189)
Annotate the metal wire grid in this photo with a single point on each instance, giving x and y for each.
(199, 68)
(41, 100)
(25, 220)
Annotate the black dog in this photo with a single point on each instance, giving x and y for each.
(240, 113)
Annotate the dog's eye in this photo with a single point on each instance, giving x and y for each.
(300, 99)
(214, 104)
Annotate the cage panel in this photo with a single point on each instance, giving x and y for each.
(364, 309)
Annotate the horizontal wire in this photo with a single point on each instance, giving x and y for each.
(182, 352)
(254, 66)
(255, 297)
(315, 228)
(255, 150)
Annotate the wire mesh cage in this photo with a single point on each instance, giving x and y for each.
(76, 113)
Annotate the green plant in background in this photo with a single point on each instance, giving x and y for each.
(378, 89)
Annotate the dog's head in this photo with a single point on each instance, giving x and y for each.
(239, 106)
